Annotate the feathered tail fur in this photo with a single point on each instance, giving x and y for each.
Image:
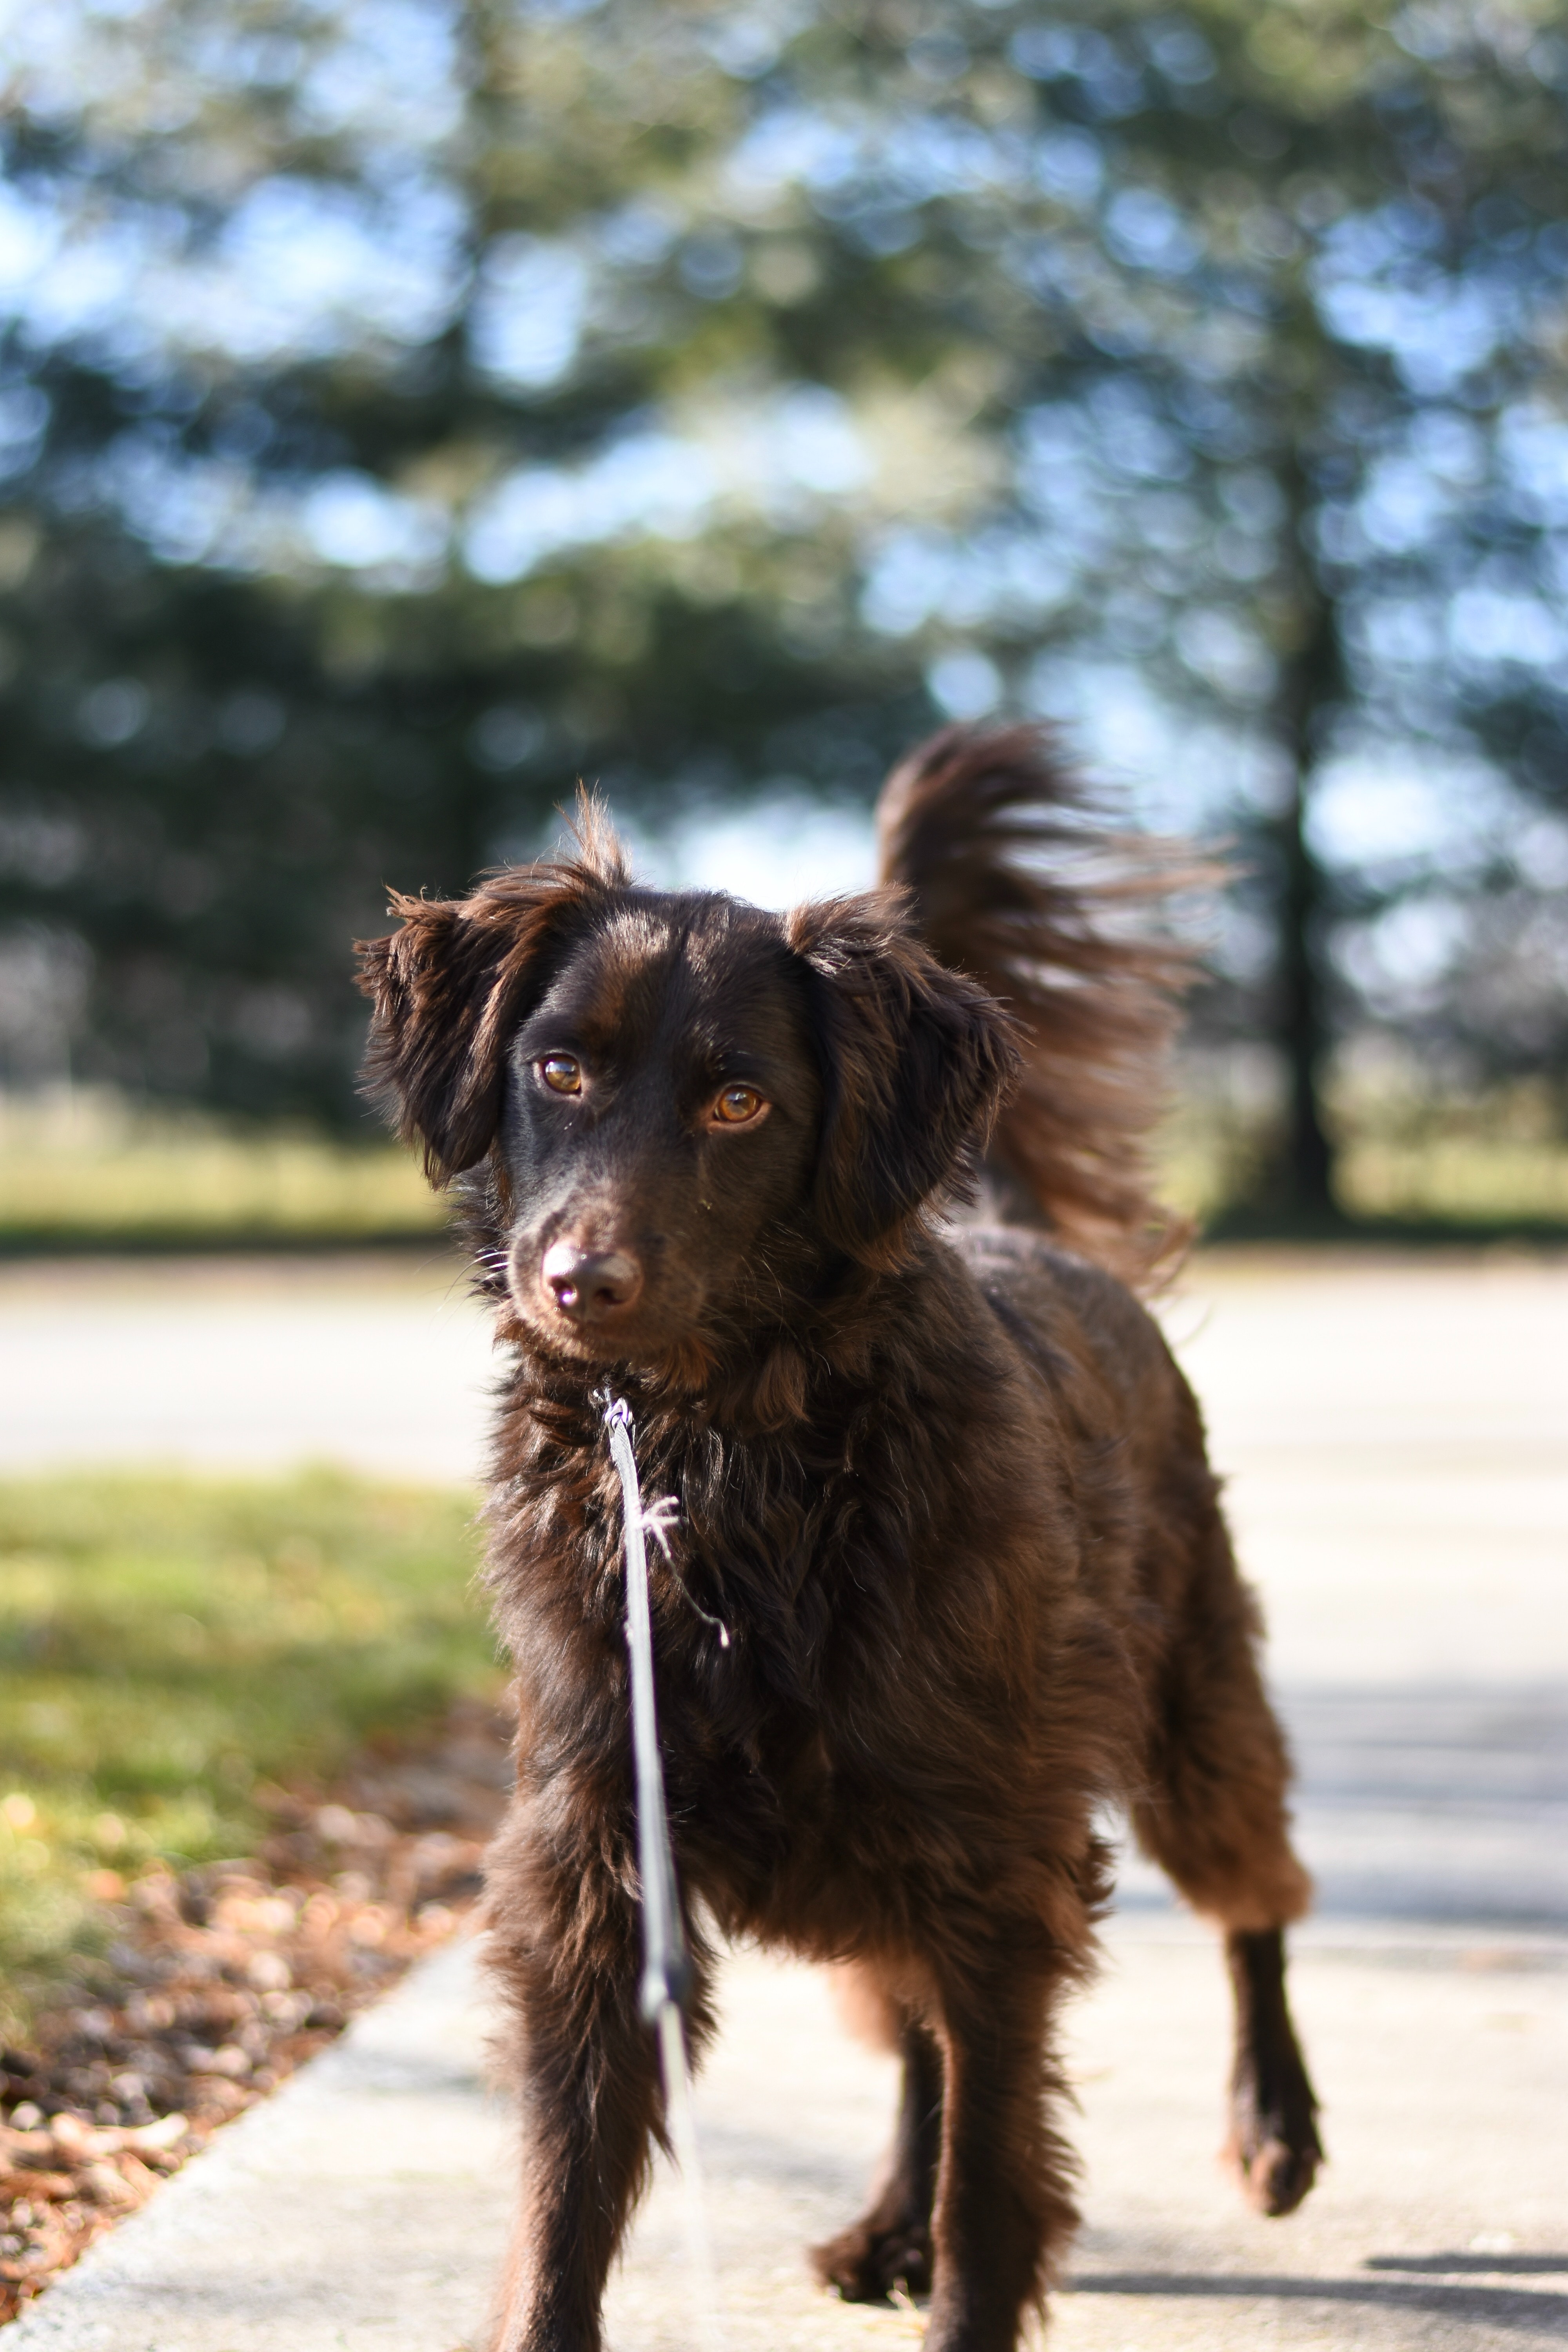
(1016, 879)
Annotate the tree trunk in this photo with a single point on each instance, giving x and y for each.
(1299, 1179)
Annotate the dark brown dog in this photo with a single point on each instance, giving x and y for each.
(945, 1488)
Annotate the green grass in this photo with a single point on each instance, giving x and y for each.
(91, 1170)
(168, 1645)
(1408, 1156)
(1458, 1179)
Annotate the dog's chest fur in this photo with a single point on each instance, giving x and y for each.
(900, 1582)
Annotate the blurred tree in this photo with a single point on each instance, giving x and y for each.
(348, 523)
(409, 405)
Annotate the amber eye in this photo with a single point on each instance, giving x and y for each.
(736, 1105)
(562, 1072)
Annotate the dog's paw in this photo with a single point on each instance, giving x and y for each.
(874, 2255)
(1275, 2161)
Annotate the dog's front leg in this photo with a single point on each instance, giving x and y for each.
(564, 1952)
(1004, 2208)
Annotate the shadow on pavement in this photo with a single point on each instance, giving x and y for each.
(1488, 2265)
(1502, 2306)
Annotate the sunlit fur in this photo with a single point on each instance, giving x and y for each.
(943, 1485)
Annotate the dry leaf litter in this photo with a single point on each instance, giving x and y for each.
(220, 1980)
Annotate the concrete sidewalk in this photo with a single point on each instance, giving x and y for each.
(1396, 1436)
(362, 2206)
(365, 2208)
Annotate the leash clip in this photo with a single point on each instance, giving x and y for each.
(614, 1412)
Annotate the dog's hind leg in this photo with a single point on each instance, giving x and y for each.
(1213, 1814)
(889, 2246)
(1274, 2142)
(974, 2202)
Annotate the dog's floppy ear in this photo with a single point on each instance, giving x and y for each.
(451, 985)
(916, 1060)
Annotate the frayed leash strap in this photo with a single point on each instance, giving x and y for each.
(667, 1975)
(667, 1963)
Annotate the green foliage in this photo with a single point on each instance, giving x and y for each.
(475, 396)
(166, 1644)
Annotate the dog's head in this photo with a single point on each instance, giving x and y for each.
(687, 1105)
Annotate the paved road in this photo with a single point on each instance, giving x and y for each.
(1396, 1432)
(1396, 1436)
(249, 1363)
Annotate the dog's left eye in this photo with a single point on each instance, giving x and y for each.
(736, 1105)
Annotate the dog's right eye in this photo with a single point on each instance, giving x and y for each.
(563, 1072)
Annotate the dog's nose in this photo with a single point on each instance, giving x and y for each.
(587, 1283)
